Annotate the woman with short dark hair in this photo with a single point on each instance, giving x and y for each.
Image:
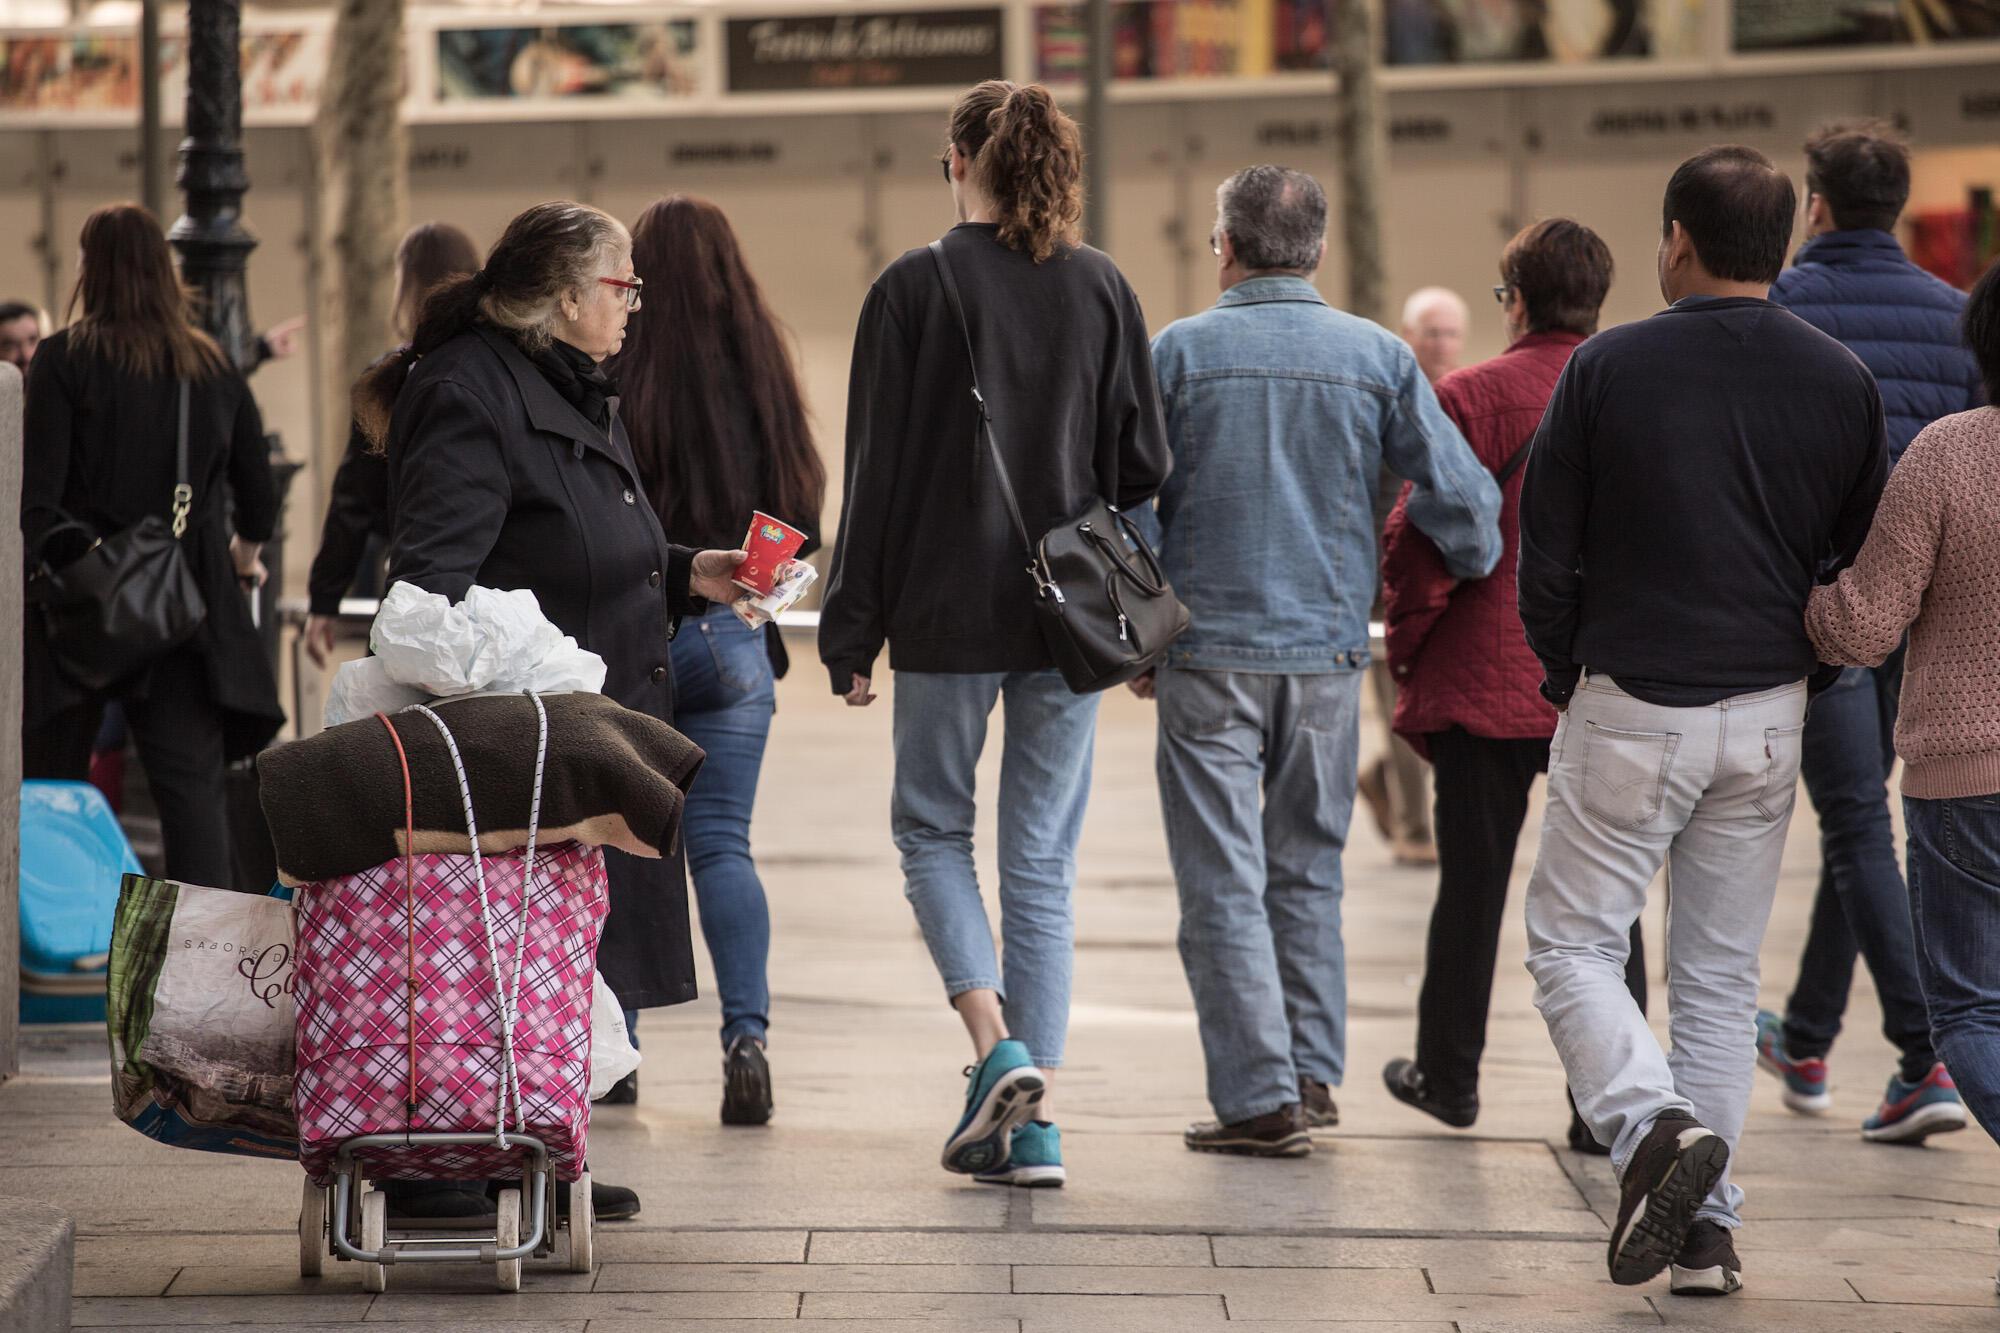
(719, 426)
(101, 438)
(1469, 697)
(930, 563)
(509, 468)
(357, 513)
(1931, 568)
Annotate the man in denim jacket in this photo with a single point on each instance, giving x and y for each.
(1280, 410)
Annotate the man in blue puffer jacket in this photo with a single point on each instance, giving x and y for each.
(1852, 280)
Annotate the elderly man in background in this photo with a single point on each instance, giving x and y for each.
(1396, 785)
(1281, 411)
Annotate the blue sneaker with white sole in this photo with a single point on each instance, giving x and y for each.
(1036, 1159)
(1001, 1094)
(1912, 1112)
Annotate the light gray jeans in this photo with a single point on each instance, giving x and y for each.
(1257, 783)
(1708, 792)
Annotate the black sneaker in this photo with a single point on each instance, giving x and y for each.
(746, 1084)
(1707, 1264)
(1676, 1165)
(1407, 1084)
(1316, 1100)
(1279, 1133)
(625, 1092)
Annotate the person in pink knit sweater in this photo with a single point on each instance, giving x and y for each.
(1931, 566)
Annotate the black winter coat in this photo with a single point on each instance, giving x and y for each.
(99, 450)
(496, 480)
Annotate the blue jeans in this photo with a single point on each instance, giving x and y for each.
(940, 730)
(723, 701)
(1257, 775)
(1848, 751)
(1954, 850)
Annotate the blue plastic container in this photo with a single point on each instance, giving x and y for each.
(73, 858)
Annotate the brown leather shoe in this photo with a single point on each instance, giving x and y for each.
(1316, 1100)
(1279, 1133)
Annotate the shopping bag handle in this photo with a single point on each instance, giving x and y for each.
(410, 937)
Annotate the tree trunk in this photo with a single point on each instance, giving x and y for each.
(363, 199)
(1363, 147)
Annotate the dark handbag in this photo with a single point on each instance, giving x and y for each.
(1105, 608)
(130, 598)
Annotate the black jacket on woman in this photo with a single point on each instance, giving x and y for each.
(357, 509)
(100, 450)
(927, 557)
(496, 479)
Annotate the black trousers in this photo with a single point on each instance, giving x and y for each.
(178, 730)
(1482, 800)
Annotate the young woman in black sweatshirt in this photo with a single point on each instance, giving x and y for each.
(928, 561)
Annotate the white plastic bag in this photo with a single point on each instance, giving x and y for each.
(492, 642)
(612, 1054)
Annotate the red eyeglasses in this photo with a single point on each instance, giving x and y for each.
(632, 290)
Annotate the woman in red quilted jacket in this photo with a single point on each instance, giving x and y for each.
(1469, 697)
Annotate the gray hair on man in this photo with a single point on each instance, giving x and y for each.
(1275, 217)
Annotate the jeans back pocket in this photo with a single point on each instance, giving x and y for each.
(1625, 773)
(1783, 748)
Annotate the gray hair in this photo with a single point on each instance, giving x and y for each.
(1275, 217)
(551, 251)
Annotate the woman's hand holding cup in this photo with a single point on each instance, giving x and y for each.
(712, 574)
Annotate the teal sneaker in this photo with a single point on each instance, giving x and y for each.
(1912, 1112)
(1001, 1094)
(1036, 1159)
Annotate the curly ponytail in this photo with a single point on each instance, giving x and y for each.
(1027, 157)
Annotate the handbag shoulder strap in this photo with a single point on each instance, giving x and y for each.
(1513, 464)
(985, 414)
(183, 490)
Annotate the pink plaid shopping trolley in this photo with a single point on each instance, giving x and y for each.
(444, 1034)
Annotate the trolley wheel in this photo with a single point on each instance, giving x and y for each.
(312, 1230)
(374, 1234)
(506, 1235)
(582, 1225)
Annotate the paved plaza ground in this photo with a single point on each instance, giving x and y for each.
(838, 1217)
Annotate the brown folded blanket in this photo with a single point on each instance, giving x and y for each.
(613, 778)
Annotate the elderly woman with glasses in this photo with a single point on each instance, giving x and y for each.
(509, 468)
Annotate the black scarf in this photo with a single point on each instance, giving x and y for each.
(580, 380)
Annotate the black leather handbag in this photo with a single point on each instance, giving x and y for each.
(1105, 608)
(127, 599)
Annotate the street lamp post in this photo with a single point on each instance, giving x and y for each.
(213, 244)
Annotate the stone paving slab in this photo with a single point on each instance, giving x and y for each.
(624, 1243)
(804, 1277)
(1011, 1247)
(799, 1325)
(1153, 1314)
(265, 1311)
(1730, 1316)
(540, 1276)
(533, 1304)
(1371, 1287)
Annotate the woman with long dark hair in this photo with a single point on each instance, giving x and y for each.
(509, 468)
(357, 513)
(712, 402)
(928, 562)
(103, 422)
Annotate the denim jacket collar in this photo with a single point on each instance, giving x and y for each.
(1277, 287)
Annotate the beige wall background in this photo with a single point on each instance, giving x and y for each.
(822, 202)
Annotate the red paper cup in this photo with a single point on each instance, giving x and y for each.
(771, 542)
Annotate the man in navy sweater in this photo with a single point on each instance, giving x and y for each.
(1852, 280)
(1694, 474)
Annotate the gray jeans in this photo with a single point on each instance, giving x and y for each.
(1708, 792)
(1257, 783)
